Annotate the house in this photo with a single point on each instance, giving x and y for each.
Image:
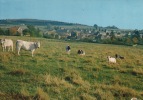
(13, 30)
(21, 28)
(17, 30)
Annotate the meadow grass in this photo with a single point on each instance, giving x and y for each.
(53, 74)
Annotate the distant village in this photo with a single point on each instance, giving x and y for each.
(95, 33)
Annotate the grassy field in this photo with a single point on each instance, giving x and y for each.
(54, 75)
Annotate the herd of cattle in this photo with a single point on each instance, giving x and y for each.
(20, 44)
(32, 46)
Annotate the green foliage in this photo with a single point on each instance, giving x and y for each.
(33, 31)
(112, 27)
(135, 40)
(5, 32)
(1, 31)
(86, 40)
(26, 32)
(49, 36)
(95, 26)
(49, 27)
(73, 34)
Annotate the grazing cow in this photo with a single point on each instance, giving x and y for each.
(68, 49)
(111, 59)
(118, 56)
(30, 46)
(6, 43)
(134, 98)
(80, 52)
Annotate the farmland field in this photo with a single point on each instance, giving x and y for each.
(52, 74)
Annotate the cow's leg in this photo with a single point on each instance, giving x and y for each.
(32, 52)
(18, 50)
(12, 48)
(4, 48)
(8, 48)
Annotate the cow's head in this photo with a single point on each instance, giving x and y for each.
(37, 44)
(108, 57)
(2, 41)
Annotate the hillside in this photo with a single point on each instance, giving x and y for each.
(39, 22)
(54, 75)
(35, 22)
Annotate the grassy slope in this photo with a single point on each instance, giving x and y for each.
(53, 74)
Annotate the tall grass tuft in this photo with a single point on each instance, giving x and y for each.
(114, 91)
(137, 71)
(73, 77)
(116, 79)
(56, 82)
(122, 91)
(86, 96)
(25, 94)
(41, 95)
(103, 95)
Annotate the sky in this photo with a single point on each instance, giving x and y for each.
(124, 14)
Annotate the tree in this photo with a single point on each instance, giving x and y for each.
(95, 26)
(73, 34)
(128, 41)
(118, 33)
(1, 31)
(56, 27)
(112, 36)
(49, 26)
(107, 34)
(26, 32)
(33, 31)
(7, 32)
(97, 33)
(136, 34)
(112, 27)
(135, 40)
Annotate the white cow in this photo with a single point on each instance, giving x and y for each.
(111, 59)
(30, 46)
(6, 43)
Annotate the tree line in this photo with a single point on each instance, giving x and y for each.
(30, 31)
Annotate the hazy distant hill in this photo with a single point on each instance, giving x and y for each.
(43, 23)
(34, 22)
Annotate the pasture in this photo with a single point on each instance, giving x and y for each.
(52, 74)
